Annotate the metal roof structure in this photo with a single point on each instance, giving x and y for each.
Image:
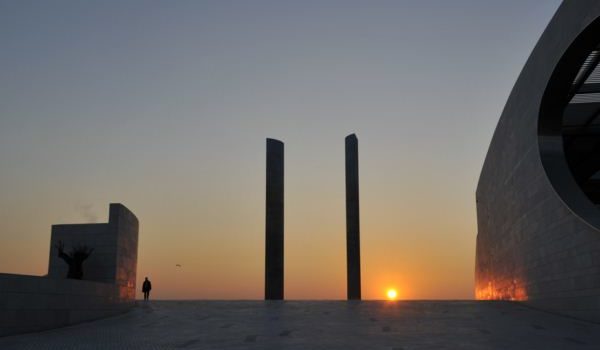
(581, 127)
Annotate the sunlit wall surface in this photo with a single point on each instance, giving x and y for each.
(538, 239)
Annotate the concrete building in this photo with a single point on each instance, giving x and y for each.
(34, 303)
(538, 218)
(352, 219)
(115, 243)
(274, 221)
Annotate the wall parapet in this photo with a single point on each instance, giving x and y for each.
(35, 303)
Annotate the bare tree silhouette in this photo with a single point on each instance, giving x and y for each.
(74, 259)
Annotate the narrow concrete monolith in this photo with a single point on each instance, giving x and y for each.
(274, 222)
(352, 219)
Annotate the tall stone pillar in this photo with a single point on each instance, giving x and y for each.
(352, 219)
(274, 222)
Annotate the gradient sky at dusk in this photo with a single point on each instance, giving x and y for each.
(165, 107)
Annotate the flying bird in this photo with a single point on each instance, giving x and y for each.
(177, 265)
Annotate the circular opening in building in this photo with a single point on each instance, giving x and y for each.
(569, 123)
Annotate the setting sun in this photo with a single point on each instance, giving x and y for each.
(392, 294)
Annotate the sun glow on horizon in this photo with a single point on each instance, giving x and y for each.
(392, 294)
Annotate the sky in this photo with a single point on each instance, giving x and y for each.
(165, 107)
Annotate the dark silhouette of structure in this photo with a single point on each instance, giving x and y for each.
(74, 259)
(352, 219)
(146, 288)
(274, 222)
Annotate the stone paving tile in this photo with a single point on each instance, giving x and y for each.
(405, 325)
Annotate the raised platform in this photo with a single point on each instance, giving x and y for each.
(320, 325)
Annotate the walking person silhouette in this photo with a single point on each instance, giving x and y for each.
(146, 288)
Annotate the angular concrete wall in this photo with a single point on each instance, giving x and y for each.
(537, 243)
(32, 303)
(125, 224)
(115, 243)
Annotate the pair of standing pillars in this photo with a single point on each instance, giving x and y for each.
(274, 220)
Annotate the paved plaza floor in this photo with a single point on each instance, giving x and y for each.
(320, 325)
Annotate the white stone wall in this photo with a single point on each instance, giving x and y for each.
(126, 225)
(33, 303)
(100, 266)
(115, 244)
(532, 246)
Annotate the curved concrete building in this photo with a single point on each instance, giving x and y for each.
(538, 197)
